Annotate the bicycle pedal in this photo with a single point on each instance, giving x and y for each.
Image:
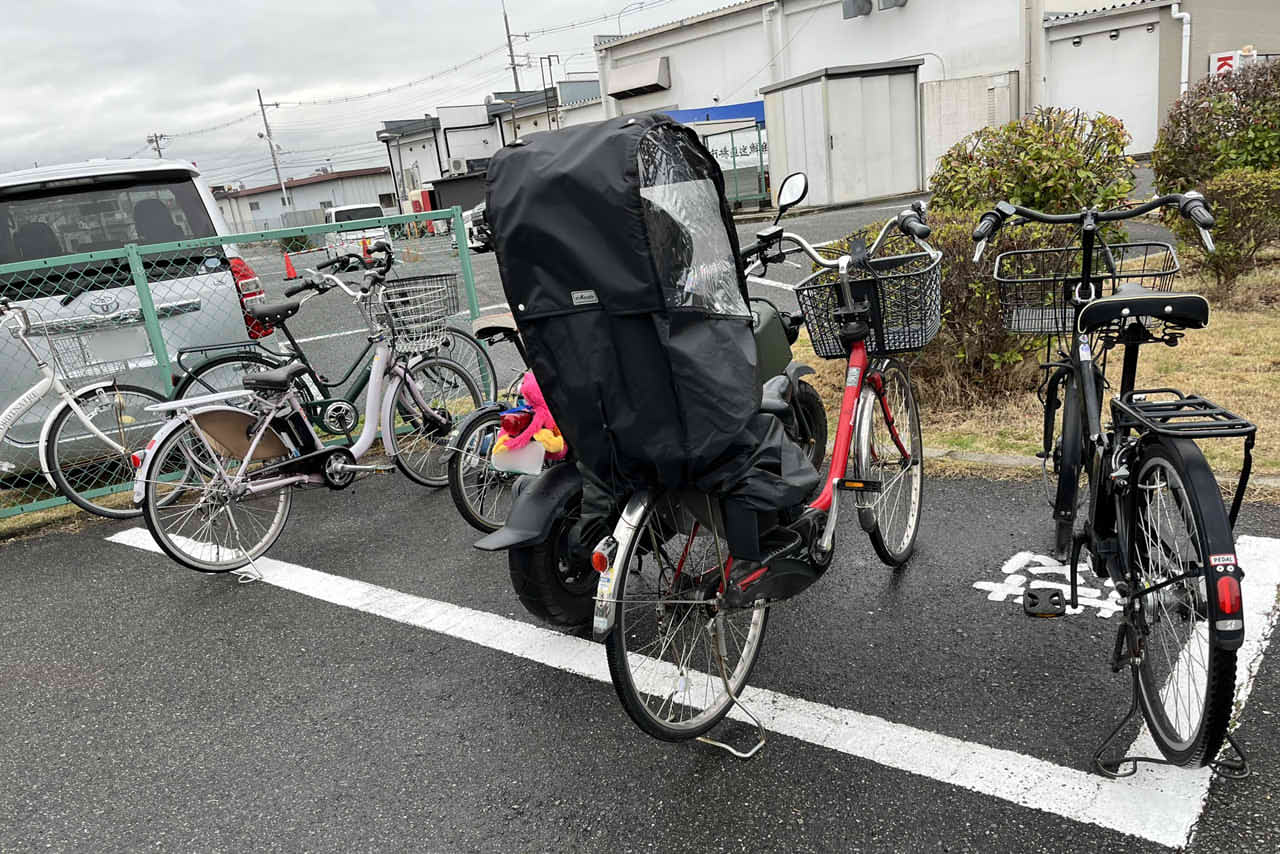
(1043, 602)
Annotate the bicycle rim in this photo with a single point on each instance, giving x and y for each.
(91, 473)
(1182, 676)
(196, 513)
(483, 493)
(418, 442)
(661, 650)
(895, 509)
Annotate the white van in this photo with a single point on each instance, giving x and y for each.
(353, 240)
(100, 205)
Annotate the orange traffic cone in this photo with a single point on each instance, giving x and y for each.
(364, 248)
(289, 273)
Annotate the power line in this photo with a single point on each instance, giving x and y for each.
(342, 99)
(246, 117)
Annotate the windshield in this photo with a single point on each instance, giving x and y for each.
(104, 214)
(368, 212)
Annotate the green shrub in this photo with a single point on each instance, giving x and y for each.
(1053, 160)
(1246, 205)
(297, 243)
(973, 359)
(1223, 122)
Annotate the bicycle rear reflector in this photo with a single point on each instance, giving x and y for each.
(1228, 595)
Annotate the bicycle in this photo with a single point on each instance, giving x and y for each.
(1156, 524)
(88, 441)
(237, 466)
(325, 404)
(691, 607)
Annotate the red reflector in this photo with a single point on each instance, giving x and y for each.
(136, 459)
(249, 286)
(599, 562)
(514, 423)
(1228, 595)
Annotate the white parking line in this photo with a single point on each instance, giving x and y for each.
(1161, 804)
(333, 335)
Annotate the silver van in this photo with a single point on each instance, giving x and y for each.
(92, 310)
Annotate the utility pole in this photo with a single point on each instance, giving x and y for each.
(284, 194)
(155, 140)
(511, 51)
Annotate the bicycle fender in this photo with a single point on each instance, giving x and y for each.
(536, 509)
(463, 425)
(796, 370)
(144, 466)
(623, 534)
(1216, 529)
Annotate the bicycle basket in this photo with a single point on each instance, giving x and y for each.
(415, 309)
(1036, 285)
(905, 294)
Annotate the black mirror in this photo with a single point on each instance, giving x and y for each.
(792, 192)
(380, 246)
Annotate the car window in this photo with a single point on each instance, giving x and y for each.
(370, 212)
(103, 214)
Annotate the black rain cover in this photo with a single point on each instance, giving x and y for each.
(618, 258)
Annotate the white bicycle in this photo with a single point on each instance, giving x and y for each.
(217, 481)
(88, 442)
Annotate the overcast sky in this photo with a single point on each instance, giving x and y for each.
(92, 78)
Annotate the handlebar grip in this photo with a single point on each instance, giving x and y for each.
(294, 290)
(1198, 212)
(987, 226)
(745, 253)
(912, 226)
(332, 262)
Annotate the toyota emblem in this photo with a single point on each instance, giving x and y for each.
(103, 304)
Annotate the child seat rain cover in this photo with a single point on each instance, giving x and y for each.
(618, 258)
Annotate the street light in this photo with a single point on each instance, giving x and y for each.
(385, 137)
(627, 8)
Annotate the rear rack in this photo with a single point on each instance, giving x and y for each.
(1181, 416)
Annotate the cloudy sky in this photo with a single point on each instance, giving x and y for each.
(92, 78)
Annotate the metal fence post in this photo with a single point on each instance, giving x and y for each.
(733, 159)
(464, 261)
(152, 322)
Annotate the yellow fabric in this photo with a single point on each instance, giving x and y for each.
(552, 441)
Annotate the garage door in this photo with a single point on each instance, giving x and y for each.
(1118, 76)
(874, 135)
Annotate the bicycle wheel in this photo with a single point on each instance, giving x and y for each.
(893, 518)
(813, 429)
(1186, 684)
(417, 441)
(198, 515)
(90, 473)
(550, 582)
(465, 349)
(482, 494)
(224, 373)
(1072, 459)
(662, 648)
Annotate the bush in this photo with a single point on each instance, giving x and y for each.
(1221, 123)
(1246, 204)
(973, 359)
(297, 243)
(1054, 160)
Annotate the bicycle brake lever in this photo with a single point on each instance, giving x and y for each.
(977, 255)
(1206, 238)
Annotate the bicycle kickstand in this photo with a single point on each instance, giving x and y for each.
(762, 734)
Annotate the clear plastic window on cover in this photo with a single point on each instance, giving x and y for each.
(687, 237)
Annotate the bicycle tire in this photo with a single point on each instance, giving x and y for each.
(813, 426)
(1071, 468)
(416, 444)
(663, 517)
(469, 462)
(179, 544)
(107, 469)
(462, 347)
(543, 579)
(1194, 742)
(900, 500)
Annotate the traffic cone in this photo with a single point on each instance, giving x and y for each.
(289, 273)
(364, 248)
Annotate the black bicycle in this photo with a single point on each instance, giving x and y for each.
(336, 412)
(1156, 524)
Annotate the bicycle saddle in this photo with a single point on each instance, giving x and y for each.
(276, 379)
(273, 312)
(1132, 301)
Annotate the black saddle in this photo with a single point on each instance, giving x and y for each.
(1133, 302)
(273, 312)
(276, 379)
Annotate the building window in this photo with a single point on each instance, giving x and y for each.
(326, 205)
(253, 206)
(387, 200)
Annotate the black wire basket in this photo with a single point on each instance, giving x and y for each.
(905, 296)
(1037, 285)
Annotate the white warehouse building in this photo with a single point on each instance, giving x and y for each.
(262, 208)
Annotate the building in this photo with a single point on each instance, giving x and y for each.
(865, 95)
(262, 208)
(579, 99)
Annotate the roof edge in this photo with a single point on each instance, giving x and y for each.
(1104, 12)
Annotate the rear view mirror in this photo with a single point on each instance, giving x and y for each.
(792, 192)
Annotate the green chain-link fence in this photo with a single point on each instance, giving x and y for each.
(141, 315)
(743, 156)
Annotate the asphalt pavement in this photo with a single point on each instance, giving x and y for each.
(383, 690)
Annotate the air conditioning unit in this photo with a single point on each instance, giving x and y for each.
(458, 165)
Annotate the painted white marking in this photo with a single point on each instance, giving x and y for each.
(770, 283)
(1015, 583)
(1160, 804)
(333, 335)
